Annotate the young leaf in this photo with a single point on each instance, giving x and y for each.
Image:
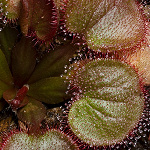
(5, 74)
(23, 61)
(49, 90)
(52, 65)
(16, 98)
(38, 18)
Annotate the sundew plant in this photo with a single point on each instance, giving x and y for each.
(74, 74)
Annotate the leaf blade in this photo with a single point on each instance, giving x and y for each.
(23, 60)
(49, 90)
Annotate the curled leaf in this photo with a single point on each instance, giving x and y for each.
(38, 18)
(16, 98)
(49, 90)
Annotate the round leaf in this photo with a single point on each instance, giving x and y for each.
(53, 139)
(111, 103)
(99, 122)
(106, 25)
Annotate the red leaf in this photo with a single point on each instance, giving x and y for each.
(39, 18)
(15, 98)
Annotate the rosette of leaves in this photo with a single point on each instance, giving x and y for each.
(26, 84)
(110, 104)
(106, 25)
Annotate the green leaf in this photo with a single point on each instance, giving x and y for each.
(99, 122)
(106, 78)
(111, 96)
(49, 90)
(5, 74)
(82, 15)
(39, 18)
(8, 37)
(4, 87)
(23, 61)
(51, 140)
(106, 25)
(52, 65)
(32, 114)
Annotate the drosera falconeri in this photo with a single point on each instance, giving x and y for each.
(64, 62)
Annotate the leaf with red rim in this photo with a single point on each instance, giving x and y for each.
(53, 139)
(106, 25)
(111, 95)
(39, 18)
